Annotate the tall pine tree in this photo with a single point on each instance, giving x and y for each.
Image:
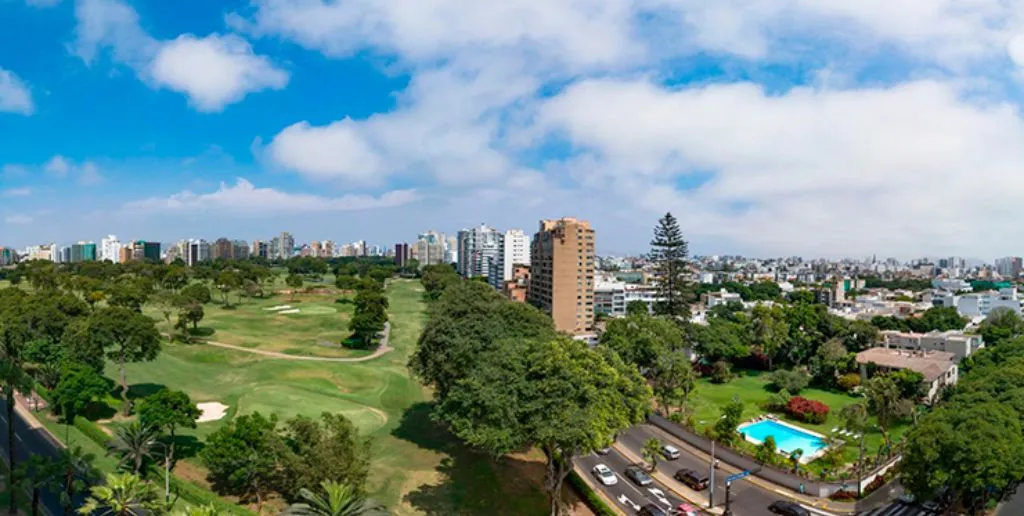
(669, 254)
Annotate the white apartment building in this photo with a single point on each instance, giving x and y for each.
(42, 252)
(951, 284)
(429, 248)
(478, 250)
(958, 343)
(513, 249)
(722, 297)
(110, 248)
(979, 304)
(612, 297)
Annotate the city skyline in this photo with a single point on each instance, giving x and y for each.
(764, 130)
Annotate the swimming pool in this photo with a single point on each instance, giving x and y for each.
(787, 437)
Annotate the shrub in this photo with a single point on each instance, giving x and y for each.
(843, 495)
(778, 401)
(792, 381)
(849, 381)
(721, 372)
(879, 481)
(808, 411)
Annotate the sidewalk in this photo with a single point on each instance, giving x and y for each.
(672, 484)
(820, 503)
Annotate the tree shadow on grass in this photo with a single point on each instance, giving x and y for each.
(141, 390)
(98, 410)
(186, 446)
(469, 482)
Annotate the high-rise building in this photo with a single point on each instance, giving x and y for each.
(1009, 267)
(286, 246)
(327, 249)
(198, 251)
(83, 252)
(477, 249)
(221, 249)
(110, 248)
(429, 248)
(260, 249)
(513, 249)
(125, 254)
(42, 252)
(239, 250)
(8, 256)
(401, 254)
(562, 274)
(150, 250)
(451, 250)
(64, 255)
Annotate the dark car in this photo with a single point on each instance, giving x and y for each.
(788, 508)
(652, 510)
(638, 476)
(692, 479)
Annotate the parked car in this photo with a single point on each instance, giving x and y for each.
(605, 475)
(685, 509)
(692, 479)
(786, 508)
(670, 452)
(638, 476)
(652, 510)
(604, 451)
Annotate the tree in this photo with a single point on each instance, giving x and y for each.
(669, 255)
(167, 301)
(127, 336)
(129, 293)
(13, 378)
(370, 313)
(766, 451)
(1000, 325)
(79, 386)
(228, 281)
(196, 292)
(295, 282)
(465, 321)
(176, 278)
(830, 361)
(124, 495)
(436, 278)
(795, 456)
(243, 457)
(134, 442)
(886, 402)
(940, 318)
(335, 499)
(725, 427)
(855, 419)
(673, 380)
(75, 466)
(860, 335)
(790, 381)
(636, 307)
(191, 312)
(650, 452)
(640, 339)
(38, 473)
(555, 394)
(169, 410)
(770, 331)
(330, 449)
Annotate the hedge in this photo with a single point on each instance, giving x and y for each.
(92, 431)
(595, 502)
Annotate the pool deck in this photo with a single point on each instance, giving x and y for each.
(804, 459)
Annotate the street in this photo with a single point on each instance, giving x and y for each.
(747, 499)
(897, 509)
(28, 441)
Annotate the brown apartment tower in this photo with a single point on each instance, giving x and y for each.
(562, 274)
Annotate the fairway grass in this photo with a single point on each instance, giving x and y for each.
(417, 467)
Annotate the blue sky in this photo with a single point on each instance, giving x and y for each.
(769, 128)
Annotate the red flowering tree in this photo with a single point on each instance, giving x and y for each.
(809, 411)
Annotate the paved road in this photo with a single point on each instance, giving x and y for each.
(897, 509)
(625, 493)
(381, 350)
(30, 441)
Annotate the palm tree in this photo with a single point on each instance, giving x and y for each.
(795, 457)
(36, 474)
(135, 443)
(13, 336)
(75, 466)
(855, 419)
(335, 499)
(124, 495)
(650, 452)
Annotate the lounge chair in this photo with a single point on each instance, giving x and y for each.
(835, 429)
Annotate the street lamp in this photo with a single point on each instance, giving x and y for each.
(167, 468)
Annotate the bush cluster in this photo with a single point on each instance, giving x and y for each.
(849, 381)
(808, 411)
(791, 381)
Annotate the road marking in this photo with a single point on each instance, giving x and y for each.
(624, 500)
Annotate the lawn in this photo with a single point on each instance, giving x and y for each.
(751, 387)
(317, 329)
(418, 468)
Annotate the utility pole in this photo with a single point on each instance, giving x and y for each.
(728, 512)
(711, 492)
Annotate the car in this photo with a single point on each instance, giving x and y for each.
(906, 498)
(786, 508)
(692, 479)
(670, 452)
(932, 506)
(685, 509)
(605, 475)
(652, 510)
(638, 476)
(604, 451)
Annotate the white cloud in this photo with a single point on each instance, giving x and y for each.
(86, 173)
(16, 192)
(15, 96)
(245, 198)
(213, 71)
(18, 219)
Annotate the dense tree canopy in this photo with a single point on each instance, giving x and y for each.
(641, 339)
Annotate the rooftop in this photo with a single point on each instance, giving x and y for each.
(931, 364)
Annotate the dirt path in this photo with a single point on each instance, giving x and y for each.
(384, 349)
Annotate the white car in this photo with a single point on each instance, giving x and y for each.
(670, 452)
(605, 475)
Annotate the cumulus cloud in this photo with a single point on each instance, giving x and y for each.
(58, 166)
(213, 71)
(245, 198)
(16, 192)
(86, 173)
(15, 96)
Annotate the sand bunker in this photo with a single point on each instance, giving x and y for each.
(278, 307)
(211, 411)
(292, 311)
